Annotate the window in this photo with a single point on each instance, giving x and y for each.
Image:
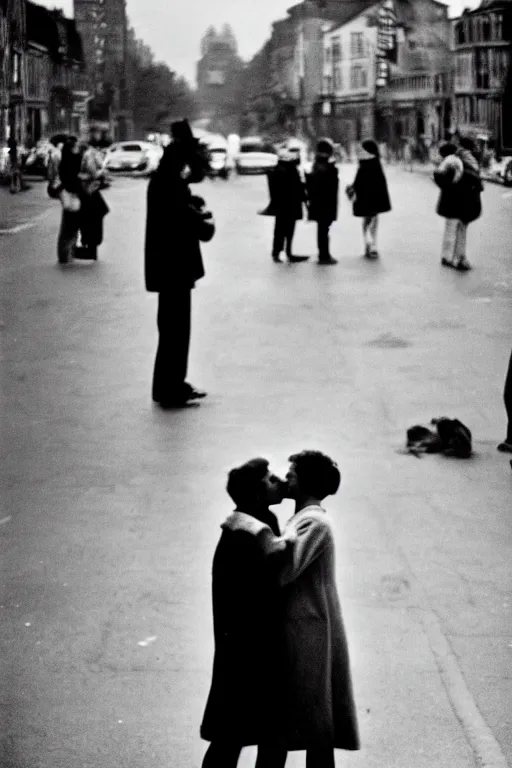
(358, 77)
(336, 49)
(356, 45)
(482, 68)
(486, 29)
(338, 78)
(459, 33)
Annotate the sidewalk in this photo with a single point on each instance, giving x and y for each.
(23, 210)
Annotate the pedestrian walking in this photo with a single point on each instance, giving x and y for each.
(447, 176)
(319, 713)
(506, 445)
(93, 207)
(70, 190)
(322, 192)
(287, 198)
(369, 194)
(173, 261)
(245, 702)
(459, 201)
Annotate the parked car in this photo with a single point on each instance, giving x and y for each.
(255, 156)
(133, 156)
(217, 148)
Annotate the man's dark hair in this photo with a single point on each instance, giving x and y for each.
(317, 474)
(467, 143)
(447, 149)
(244, 482)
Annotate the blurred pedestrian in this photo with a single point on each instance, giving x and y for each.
(322, 192)
(70, 191)
(245, 701)
(460, 201)
(370, 196)
(93, 206)
(506, 445)
(173, 261)
(319, 713)
(447, 176)
(470, 188)
(15, 178)
(287, 197)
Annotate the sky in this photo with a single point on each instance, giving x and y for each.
(173, 28)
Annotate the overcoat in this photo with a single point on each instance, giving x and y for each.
(172, 254)
(244, 704)
(287, 191)
(322, 189)
(370, 189)
(319, 706)
(461, 200)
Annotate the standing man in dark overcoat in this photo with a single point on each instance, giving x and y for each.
(244, 704)
(287, 198)
(173, 262)
(322, 190)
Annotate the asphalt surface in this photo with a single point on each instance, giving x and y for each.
(111, 508)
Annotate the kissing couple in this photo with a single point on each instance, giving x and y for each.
(281, 673)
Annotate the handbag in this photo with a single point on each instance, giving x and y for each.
(54, 188)
(70, 201)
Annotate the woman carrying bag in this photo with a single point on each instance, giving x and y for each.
(93, 206)
(70, 192)
(370, 195)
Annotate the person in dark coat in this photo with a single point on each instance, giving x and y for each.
(319, 713)
(459, 201)
(93, 205)
(287, 197)
(70, 191)
(506, 445)
(245, 700)
(322, 190)
(173, 261)
(370, 195)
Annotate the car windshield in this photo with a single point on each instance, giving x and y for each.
(130, 148)
(218, 150)
(256, 147)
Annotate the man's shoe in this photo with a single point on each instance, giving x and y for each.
(505, 447)
(277, 258)
(191, 393)
(463, 266)
(373, 254)
(328, 260)
(296, 259)
(171, 405)
(447, 262)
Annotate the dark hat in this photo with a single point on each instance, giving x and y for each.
(447, 149)
(324, 147)
(181, 131)
(370, 146)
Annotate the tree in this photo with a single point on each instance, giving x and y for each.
(158, 96)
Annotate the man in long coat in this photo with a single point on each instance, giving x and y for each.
(319, 713)
(244, 704)
(322, 191)
(173, 262)
(287, 198)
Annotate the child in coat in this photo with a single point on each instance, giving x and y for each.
(370, 195)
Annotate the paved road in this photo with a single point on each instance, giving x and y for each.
(111, 509)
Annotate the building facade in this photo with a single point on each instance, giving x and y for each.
(220, 81)
(56, 83)
(12, 70)
(415, 105)
(103, 27)
(482, 42)
(345, 109)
